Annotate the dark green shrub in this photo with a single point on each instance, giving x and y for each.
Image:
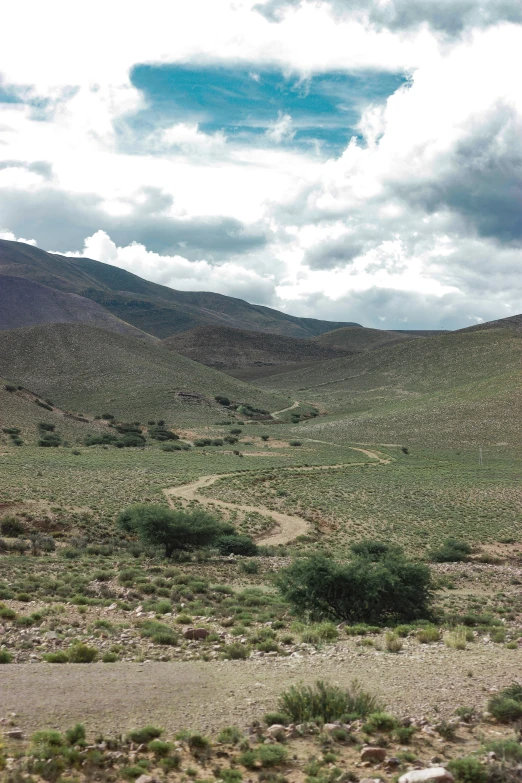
(76, 735)
(230, 439)
(11, 430)
(102, 439)
(217, 442)
(51, 439)
(5, 657)
(468, 770)
(109, 657)
(162, 434)
(81, 653)
(160, 748)
(265, 437)
(236, 651)
(222, 400)
(236, 545)
(230, 735)
(172, 529)
(380, 591)
(6, 613)
(380, 721)
(132, 440)
(145, 735)
(295, 443)
(264, 755)
(236, 431)
(506, 749)
(9, 387)
(276, 719)
(172, 447)
(46, 427)
(452, 551)
(506, 706)
(12, 527)
(328, 702)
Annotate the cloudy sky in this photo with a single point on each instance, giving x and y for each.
(356, 160)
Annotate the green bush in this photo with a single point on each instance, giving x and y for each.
(428, 635)
(145, 735)
(365, 589)
(51, 439)
(276, 719)
(76, 735)
(109, 657)
(159, 748)
(468, 770)
(172, 529)
(81, 653)
(6, 613)
(264, 755)
(328, 702)
(295, 443)
(56, 657)
(236, 545)
(506, 706)
(230, 735)
(506, 750)
(236, 651)
(12, 527)
(5, 657)
(43, 425)
(452, 551)
(380, 721)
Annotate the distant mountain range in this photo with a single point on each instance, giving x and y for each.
(155, 309)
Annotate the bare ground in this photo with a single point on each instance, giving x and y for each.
(112, 698)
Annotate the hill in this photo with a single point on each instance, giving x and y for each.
(513, 322)
(456, 388)
(359, 338)
(153, 308)
(233, 350)
(89, 370)
(24, 302)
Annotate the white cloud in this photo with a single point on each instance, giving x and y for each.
(421, 217)
(281, 129)
(12, 238)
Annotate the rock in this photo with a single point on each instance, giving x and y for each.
(436, 774)
(492, 756)
(370, 780)
(15, 734)
(372, 754)
(392, 763)
(146, 779)
(196, 633)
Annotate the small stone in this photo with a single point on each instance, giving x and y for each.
(15, 734)
(372, 754)
(437, 774)
(146, 779)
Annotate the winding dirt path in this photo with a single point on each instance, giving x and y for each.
(276, 414)
(289, 527)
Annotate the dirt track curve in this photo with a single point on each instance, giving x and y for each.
(289, 527)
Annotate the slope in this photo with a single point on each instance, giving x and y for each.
(448, 389)
(86, 369)
(153, 308)
(24, 302)
(241, 349)
(513, 322)
(359, 338)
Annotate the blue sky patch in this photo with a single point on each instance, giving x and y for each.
(244, 101)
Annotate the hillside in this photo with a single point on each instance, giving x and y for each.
(241, 349)
(90, 370)
(359, 338)
(153, 308)
(24, 302)
(513, 322)
(453, 388)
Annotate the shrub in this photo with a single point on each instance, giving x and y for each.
(222, 400)
(265, 437)
(294, 443)
(452, 551)
(162, 434)
(172, 529)
(109, 657)
(230, 439)
(51, 439)
(505, 749)
(380, 721)
(56, 657)
(236, 545)
(236, 651)
(468, 770)
(447, 730)
(81, 653)
(172, 447)
(249, 567)
(202, 442)
(9, 387)
(230, 735)
(76, 735)
(328, 702)
(145, 735)
(385, 590)
(11, 430)
(457, 638)
(236, 431)
(6, 613)
(265, 756)
(46, 427)
(5, 657)
(12, 527)
(393, 643)
(404, 734)
(103, 439)
(506, 706)
(276, 719)
(159, 748)
(428, 635)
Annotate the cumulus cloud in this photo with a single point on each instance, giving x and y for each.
(417, 219)
(178, 272)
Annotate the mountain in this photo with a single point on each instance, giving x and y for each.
(245, 353)
(360, 338)
(456, 388)
(24, 302)
(152, 308)
(90, 370)
(513, 323)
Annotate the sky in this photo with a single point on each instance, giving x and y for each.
(349, 160)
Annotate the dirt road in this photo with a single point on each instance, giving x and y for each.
(289, 527)
(206, 696)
